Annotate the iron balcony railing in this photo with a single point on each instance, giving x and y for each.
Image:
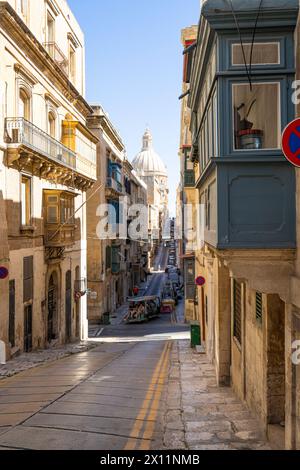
(22, 132)
(113, 184)
(57, 55)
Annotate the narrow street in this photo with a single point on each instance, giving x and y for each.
(141, 388)
(108, 398)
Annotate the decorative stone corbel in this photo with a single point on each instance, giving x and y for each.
(12, 156)
(24, 160)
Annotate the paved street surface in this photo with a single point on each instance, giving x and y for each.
(141, 388)
(199, 415)
(142, 394)
(36, 358)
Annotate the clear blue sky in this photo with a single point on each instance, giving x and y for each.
(134, 69)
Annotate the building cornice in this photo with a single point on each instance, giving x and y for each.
(111, 133)
(24, 38)
(272, 18)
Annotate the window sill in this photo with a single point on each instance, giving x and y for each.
(27, 229)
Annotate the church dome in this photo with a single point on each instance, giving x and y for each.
(148, 162)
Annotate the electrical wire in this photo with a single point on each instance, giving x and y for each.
(241, 42)
(254, 33)
(77, 210)
(248, 69)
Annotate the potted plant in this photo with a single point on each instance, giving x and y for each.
(247, 137)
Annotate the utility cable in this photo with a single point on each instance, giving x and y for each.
(77, 210)
(254, 33)
(241, 42)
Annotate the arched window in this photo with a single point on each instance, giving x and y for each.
(24, 104)
(52, 124)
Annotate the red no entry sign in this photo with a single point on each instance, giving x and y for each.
(200, 281)
(3, 272)
(291, 142)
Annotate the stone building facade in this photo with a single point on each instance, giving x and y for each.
(47, 163)
(115, 263)
(187, 194)
(248, 308)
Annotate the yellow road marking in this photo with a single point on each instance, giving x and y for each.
(150, 426)
(154, 386)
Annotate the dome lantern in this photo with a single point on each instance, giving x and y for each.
(148, 162)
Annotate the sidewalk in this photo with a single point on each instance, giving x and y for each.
(34, 359)
(202, 416)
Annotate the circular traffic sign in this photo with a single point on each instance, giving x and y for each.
(3, 272)
(200, 281)
(291, 142)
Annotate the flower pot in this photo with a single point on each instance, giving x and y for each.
(251, 139)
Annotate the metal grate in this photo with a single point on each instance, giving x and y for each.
(237, 320)
(258, 307)
(28, 279)
(12, 312)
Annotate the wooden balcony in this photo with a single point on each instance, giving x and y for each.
(57, 236)
(30, 148)
(59, 222)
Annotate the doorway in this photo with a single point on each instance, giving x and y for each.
(12, 313)
(68, 305)
(78, 305)
(52, 308)
(276, 371)
(28, 328)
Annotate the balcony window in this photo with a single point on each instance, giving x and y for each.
(59, 208)
(52, 125)
(72, 64)
(26, 200)
(67, 209)
(262, 54)
(50, 29)
(24, 104)
(256, 116)
(22, 9)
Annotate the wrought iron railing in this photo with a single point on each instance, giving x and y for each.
(57, 55)
(21, 131)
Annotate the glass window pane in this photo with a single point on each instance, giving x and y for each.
(52, 215)
(263, 53)
(256, 116)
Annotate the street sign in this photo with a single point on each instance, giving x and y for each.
(3, 272)
(291, 142)
(200, 281)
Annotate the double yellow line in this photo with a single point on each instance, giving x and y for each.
(150, 406)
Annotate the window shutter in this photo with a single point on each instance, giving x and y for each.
(237, 321)
(258, 306)
(108, 257)
(28, 279)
